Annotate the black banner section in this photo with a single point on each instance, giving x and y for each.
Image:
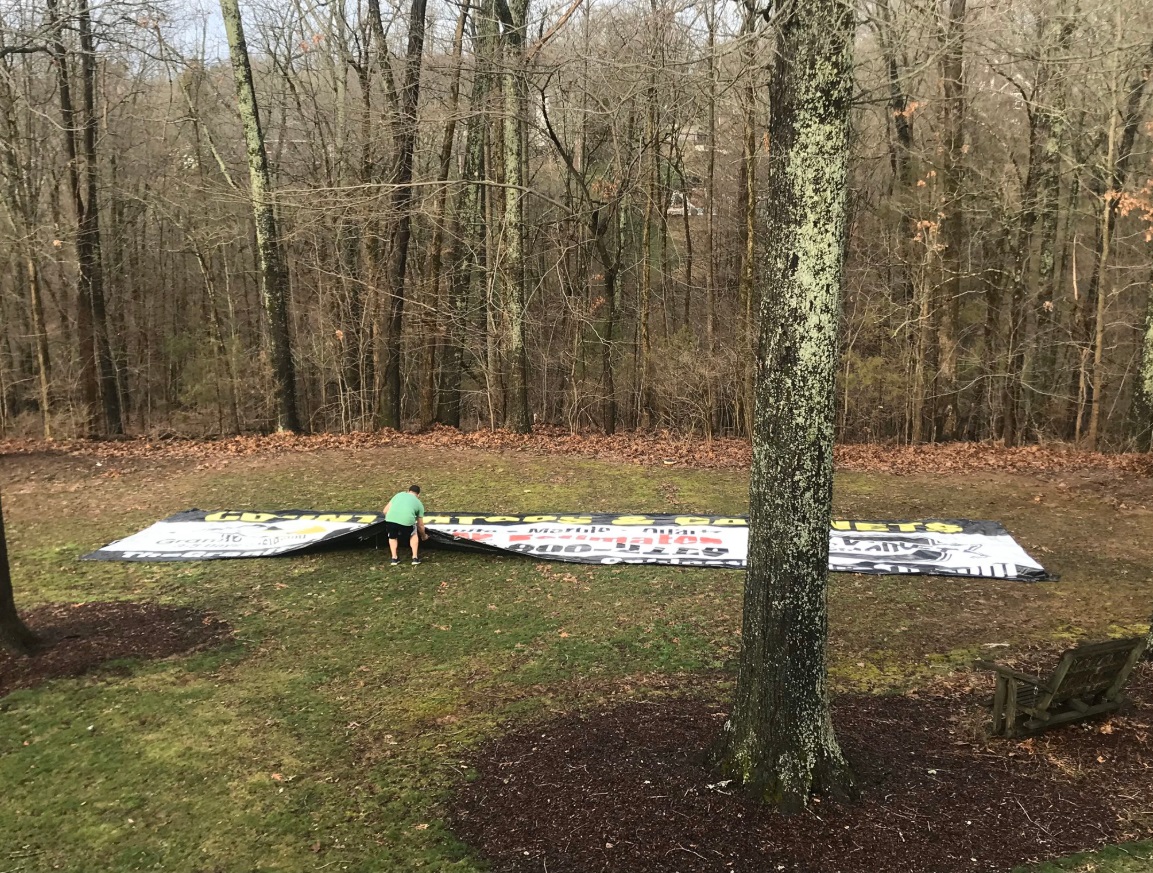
(947, 547)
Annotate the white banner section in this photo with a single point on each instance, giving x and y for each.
(196, 535)
(937, 546)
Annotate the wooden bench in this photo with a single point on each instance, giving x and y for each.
(1087, 681)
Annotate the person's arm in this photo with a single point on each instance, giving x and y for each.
(387, 507)
(420, 527)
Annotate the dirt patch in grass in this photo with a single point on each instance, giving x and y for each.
(81, 637)
(629, 789)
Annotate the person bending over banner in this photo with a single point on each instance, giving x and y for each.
(404, 519)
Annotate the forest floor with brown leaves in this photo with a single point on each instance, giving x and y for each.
(1126, 478)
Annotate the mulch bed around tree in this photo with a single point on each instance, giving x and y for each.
(629, 789)
(81, 637)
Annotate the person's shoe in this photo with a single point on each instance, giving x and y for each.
(395, 562)
(415, 561)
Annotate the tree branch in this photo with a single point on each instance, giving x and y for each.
(552, 31)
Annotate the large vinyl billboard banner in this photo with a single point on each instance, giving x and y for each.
(947, 547)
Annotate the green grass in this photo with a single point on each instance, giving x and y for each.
(1131, 858)
(329, 734)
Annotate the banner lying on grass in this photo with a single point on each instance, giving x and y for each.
(196, 535)
(937, 546)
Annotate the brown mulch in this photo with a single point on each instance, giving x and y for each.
(628, 789)
(79, 638)
(648, 448)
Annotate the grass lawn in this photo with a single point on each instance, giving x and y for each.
(329, 733)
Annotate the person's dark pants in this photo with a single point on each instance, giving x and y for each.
(398, 533)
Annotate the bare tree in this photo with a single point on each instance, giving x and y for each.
(1120, 139)
(85, 328)
(21, 191)
(429, 405)
(89, 246)
(952, 229)
(402, 203)
(274, 280)
(514, 94)
(747, 205)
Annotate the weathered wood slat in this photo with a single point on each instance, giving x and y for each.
(1086, 681)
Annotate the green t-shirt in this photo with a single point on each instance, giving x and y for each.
(404, 508)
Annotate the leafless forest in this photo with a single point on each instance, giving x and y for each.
(492, 213)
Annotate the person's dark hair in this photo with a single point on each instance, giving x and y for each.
(415, 489)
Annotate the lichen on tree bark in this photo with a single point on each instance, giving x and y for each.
(779, 741)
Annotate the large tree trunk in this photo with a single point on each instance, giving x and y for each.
(88, 238)
(608, 383)
(908, 270)
(402, 204)
(712, 420)
(652, 187)
(434, 339)
(1096, 382)
(468, 281)
(43, 359)
(274, 282)
(747, 209)
(14, 634)
(360, 357)
(952, 233)
(779, 741)
(513, 275)
(710, 198)
(1039, 342)
(85, 336)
